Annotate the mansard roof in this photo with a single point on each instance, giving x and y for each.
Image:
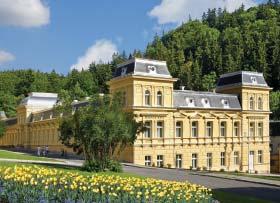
(40, 99)
(208, 100)
(143, 67)
(242, 78)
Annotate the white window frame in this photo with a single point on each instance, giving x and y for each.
(147, 97)
(179, 129)
(260, 129)
(236, 129)
(260, 156)
(194, 129)
(148, 160)
(160, 161)
(159, 98)
(160, 129)
(209, 129)
(260, 103)
(236, 158)
(223, 159)
(179, 161)
(194, 160)
(223, 129)
(209, 160)
(252, 129)
(148, 131)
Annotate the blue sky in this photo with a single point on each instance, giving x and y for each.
(60, 34)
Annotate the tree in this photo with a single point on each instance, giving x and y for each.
(275, 105)
(2, 128)
(209, 81)
(99, 130)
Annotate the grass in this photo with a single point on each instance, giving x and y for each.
(14, 155)
(226, 197)
(277, 178)
(222, 196)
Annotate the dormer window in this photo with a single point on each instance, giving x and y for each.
(151, 69)
(205, 102)
(190, 102)
(254, 80)
(123, 71)
(225, 103)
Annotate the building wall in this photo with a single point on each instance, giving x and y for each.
(45, 132)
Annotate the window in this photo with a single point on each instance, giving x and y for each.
(260, 156)
(148, 160)
(205, 102)
(179, 129)
(160, 129)
(123, 71)
(223, 129)
(223, 159)
(236, 129)
(236, 158)
(252, 129)
(190, 102)
(209, 160)
(147, 98)
(159, 98)
(209, 129)
(194, 160)
(148, 130)
(260, 103)
(194, 129)
(160, 161)
(260, 129)
(254, 80)
(225, 103)
(251, 103)
(178, 160)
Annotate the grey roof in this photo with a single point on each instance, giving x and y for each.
(11, 121)
(242, 78)
(143, 67)
(215, 100)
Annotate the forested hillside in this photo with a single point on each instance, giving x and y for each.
(197, 52)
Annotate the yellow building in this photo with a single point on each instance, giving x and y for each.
(228, 129)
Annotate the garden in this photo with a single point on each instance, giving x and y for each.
(27, 183)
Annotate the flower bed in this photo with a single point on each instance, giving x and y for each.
(37, 184)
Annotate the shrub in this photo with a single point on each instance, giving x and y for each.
(191, 168)
(256, 172)
(168, 165)
(198, 168)
(114, 166)
(92, 166)
(222, 170)
(204, 168)
(236, 171)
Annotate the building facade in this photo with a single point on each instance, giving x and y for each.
(227, 129)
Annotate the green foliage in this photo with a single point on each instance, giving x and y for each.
(209, 81)
(2, 128)
(99, 130)
(275, 105)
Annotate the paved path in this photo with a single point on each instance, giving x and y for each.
(261, 191)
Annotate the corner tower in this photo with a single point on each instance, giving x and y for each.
(251, 88)
(144, 82)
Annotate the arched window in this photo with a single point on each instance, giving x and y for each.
(260, 103)
(147, 98)
(159, 98)
(251, 103)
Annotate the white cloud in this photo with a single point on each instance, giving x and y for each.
(178, 11)
(6, 57)
(24, 13)
(101, 51)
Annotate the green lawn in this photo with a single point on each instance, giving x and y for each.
(226, 197)
(277, 178)
(13, 155)
(223, 197)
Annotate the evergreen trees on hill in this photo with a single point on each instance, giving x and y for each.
(197, 53)
(223, 42)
